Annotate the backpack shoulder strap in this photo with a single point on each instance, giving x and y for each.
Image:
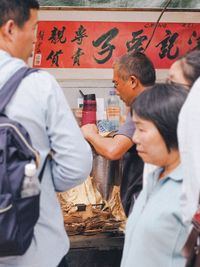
(48, 157)
(9, 88)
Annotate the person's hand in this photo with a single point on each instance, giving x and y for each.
(89, 130)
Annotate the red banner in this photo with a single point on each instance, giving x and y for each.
(96, 44)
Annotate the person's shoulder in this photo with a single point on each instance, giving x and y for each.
(41, 79)
(41, 74)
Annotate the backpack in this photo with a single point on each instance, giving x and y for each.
(18, 216)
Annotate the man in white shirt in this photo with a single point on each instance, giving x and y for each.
(40, 106)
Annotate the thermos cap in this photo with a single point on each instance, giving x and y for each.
(90, 97)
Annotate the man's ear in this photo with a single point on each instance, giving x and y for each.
(134, 81)
(8, 29)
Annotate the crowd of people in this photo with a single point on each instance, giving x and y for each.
(161, 131)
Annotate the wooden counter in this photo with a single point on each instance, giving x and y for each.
(100, 250)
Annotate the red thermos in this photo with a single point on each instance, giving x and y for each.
(89, 109)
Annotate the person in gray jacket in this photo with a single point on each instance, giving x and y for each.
(40, 106)
(132, 74)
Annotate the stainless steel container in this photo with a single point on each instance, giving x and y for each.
(106, 173)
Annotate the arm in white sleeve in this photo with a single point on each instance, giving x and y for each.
(72, 157)
(189, 145)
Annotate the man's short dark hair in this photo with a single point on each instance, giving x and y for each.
(137, 64)
(161, 105)
(17, 10)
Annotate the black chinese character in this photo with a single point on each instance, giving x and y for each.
(167, 44)
(57, 36)
(80, 34)
(136, 42)
(77, 55)
(54, 56)
(104, 40)
(197, 39)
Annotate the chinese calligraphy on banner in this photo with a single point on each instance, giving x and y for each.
(95, 44)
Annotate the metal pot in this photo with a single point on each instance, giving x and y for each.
(106, 173)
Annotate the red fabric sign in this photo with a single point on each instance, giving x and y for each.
(95, 44)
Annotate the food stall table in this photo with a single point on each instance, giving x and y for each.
(99, 250)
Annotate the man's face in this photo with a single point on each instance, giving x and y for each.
(25, 37)
(123, 87)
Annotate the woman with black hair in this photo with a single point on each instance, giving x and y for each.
(185, 70)
(155, 233)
